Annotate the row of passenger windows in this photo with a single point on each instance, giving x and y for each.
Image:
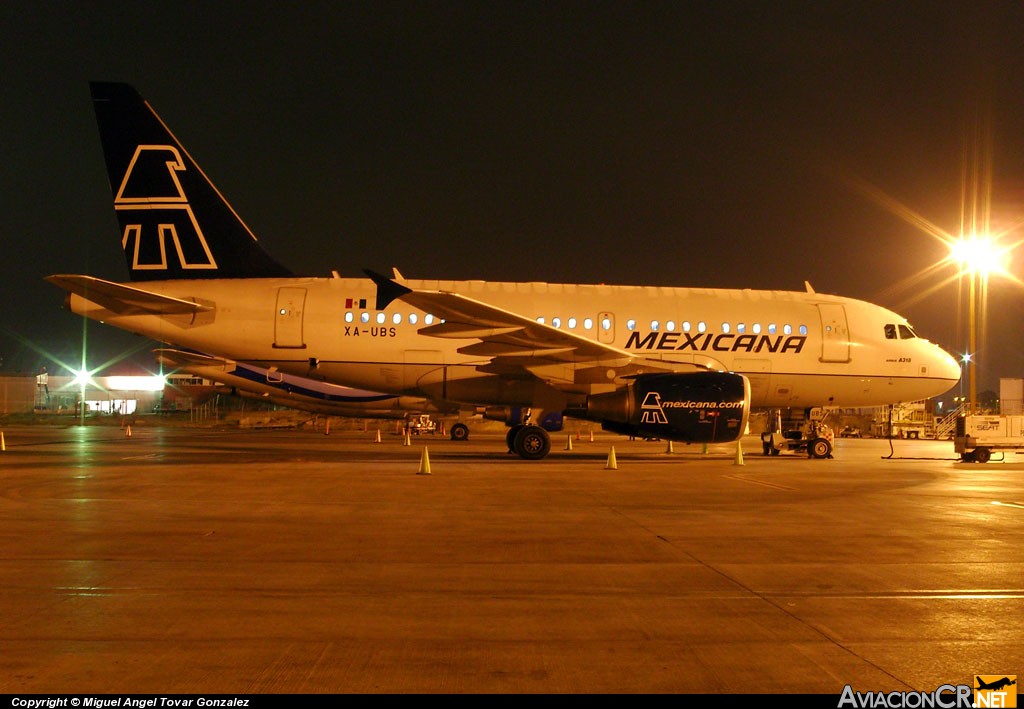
(605, 324)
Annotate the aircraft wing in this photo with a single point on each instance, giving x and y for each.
(125, 300)
(514, 342)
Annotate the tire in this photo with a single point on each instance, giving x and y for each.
(510, 437)
(532, 443)
(819, 448)
(766, 448)
(459, 432)
(982, 455)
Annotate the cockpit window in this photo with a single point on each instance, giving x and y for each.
(890, 332)
(906, 333)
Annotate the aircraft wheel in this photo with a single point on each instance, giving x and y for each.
(510, 437)
(459, 432)
(819, 448)
(532, 443)
(982, 455)
(766, 448)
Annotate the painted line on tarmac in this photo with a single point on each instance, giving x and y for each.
(758, 482)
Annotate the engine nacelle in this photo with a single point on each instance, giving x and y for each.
(695, 407)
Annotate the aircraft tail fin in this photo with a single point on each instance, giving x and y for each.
(174, 222)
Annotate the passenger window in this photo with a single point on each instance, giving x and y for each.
(588, 323)
(686, 325)
(803, 329)
(572, 323)
(890, 332)
(725, 327)
(606, 324)
(654, 325)
(701, 326)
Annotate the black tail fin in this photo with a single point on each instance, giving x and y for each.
(174, 222)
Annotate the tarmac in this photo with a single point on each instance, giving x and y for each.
(178, 559)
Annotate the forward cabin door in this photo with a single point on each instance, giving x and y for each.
(288, 318)
(835, 334)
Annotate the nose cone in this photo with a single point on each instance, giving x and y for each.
(945, 367)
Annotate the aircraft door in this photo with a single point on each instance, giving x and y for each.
(835, 334)
(288, 318)
(606, 328)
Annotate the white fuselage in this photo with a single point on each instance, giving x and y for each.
(797, 349)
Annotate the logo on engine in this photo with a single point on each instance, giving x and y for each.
(154, 210)
(650, 410)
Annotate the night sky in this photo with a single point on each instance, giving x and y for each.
(711, 144)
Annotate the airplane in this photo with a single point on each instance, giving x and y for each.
(675, 363)
(302, 393)
(996, 685)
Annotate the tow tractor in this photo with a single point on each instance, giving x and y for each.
(416, 424)
(814, 436)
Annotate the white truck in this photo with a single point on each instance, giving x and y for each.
(977, 437)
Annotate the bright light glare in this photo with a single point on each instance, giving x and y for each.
(978, 255)
(83, 378)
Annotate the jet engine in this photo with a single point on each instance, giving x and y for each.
(695, 407)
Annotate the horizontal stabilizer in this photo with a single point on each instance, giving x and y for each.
(125, 300)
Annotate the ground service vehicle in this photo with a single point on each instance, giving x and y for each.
(977, 437)
(813, 436)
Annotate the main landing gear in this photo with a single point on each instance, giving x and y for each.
(527, 441)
